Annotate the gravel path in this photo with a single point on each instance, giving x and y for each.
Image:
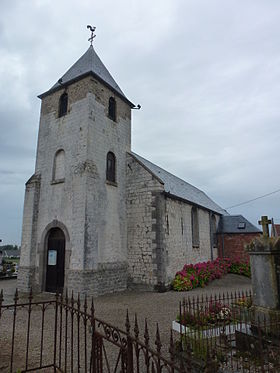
(155, 307)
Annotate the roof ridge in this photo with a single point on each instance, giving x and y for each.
(170, 173)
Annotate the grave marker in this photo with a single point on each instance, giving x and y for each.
(265, 222)
(265, 269)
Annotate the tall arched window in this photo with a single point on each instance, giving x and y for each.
(195, 227)
(213, 230)
(63, 104)
(112, 109)
(59, 166)
(111, 167)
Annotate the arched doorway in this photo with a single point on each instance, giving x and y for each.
(55, 260)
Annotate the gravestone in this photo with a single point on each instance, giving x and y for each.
(265, 269)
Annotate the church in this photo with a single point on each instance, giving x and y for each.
(99, 218)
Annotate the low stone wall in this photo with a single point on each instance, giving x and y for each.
(108, 278)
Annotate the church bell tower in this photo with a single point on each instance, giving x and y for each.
(74, 225)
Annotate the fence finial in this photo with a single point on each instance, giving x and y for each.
(158, 341)
(85, 304)
(127, 323)
(171, 346)
(16, 296)
(136, 329)
(146, 334)
(92, 306)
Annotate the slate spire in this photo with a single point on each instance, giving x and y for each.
(88, 64)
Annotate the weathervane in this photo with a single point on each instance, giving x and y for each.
(92, 36)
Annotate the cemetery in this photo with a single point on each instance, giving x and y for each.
(8, 264)
(238, 331)
(223, 331)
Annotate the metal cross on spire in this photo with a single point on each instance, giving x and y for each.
(92, 36)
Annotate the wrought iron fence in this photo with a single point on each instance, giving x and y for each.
(227, 334)
(64, 335)
(220, 333)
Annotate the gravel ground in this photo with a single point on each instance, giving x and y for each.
(155, 307)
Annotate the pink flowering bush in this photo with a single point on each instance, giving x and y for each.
(200, 274)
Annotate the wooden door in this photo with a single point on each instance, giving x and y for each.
(55, 261)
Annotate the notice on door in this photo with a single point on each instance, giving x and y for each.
(52, 257)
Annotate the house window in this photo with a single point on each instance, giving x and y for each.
(59, 166)
(111, 167)
(112, 109)
(213, 230)
(63, 104)
(195, 227)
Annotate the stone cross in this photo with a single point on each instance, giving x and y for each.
(264, 222)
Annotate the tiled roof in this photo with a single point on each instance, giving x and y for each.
(89, 63)
(179, 188)
(236, 224)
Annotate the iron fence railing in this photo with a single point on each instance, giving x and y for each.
(219, 333)
(63, 335)
(226, 332)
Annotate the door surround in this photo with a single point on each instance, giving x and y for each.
(55, 261)
(43, 253)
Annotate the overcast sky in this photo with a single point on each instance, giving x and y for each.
(206, 72)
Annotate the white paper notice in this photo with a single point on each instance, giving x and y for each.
(52, 258)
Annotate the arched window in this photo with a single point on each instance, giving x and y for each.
(112, 109)
(59, 166)
(195, 227)
(213, 230)
(111, 167)
(63, 104)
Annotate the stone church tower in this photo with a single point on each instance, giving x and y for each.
(74, 224)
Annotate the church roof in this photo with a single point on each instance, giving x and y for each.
(236, 224)
(176, 187)
(88, 64)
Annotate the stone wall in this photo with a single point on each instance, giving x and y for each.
(141, 203)
(108, 210)
(26, 279)
(107, 278)
(78, 91)
(232, 245)
(159, 230)
(179, 247)
(26, 274)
